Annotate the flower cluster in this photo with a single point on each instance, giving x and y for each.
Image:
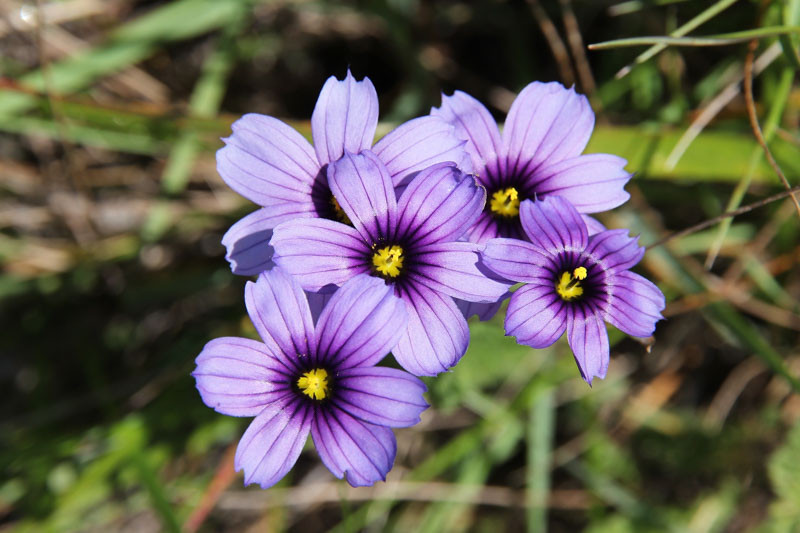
(365, 249)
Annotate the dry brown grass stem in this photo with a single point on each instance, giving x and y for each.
(578, 48)
(314, 494)
(554, 41)
(751, 113)
(735, 212)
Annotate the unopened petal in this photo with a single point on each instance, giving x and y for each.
(344, 118)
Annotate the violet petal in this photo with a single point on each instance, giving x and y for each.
(273, 442)
(553, 223)
(319, 252)
(592, 183)
(362, 186)
(546, 123)
(635, 304)
(380, 395)
(517, 260)
(279, 311)
(455, 269)
(437, 335)
(268, 162)
(588, 339)
(536, 316)
(440, 204)
(418, 144)
(361, 451)
(474, 123)
(239, 377)
(361, 324)
(615, 250)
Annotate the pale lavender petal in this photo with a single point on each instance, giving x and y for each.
(536, 316)
(553, 223)
(635, 304)
(484, 228)
(593, 226)
(350, 447)
(344, 118)
(588, 339)
(418, 144)
(319, 252)
(380, 395)
(483, 311)
(592, 183)
(362, 186)
(615, 250)
(437, 334)
(546, 123)
(455, 269)
(273, 442)
(474, 123)
(361, 323)
(517, 260)
(268, 162)
(247, 241)
(317, 300)
(279, 311)
(239, 377)
(440, 204)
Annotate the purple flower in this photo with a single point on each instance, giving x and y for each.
(321, 380)
(271, 164)
(538, 154)
(573, 283)
(409, 243)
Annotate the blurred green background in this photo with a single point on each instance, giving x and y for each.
(112, 277)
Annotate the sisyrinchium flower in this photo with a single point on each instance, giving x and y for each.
(411, 244)
(573, 283)
(271, 164)
(313, 379)
(538, 154)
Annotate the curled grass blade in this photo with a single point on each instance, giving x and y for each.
(693, 24)
(720, 39)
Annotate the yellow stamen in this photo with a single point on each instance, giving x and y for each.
(388, 261)
(505, 202)
(568, 287)
(314, 384)
(339, 212)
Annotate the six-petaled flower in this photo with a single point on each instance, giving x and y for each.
(313, 379)
(410, 243)
(271, 164)
(573, 283)
(538, 154)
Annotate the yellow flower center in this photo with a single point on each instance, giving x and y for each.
(568, 287)
(314, 384)
(505, 202)
(341, 216)
(388, 261)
